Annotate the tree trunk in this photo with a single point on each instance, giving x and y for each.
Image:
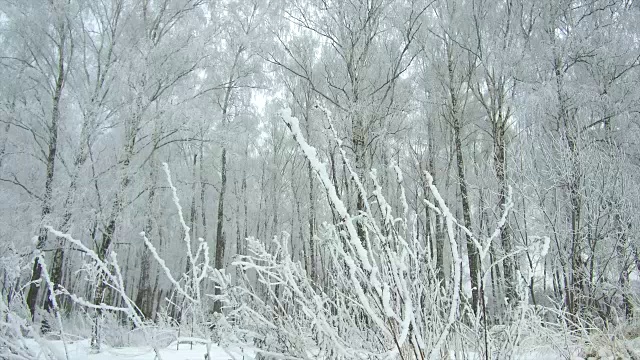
(112, 222)
(220, 236)
(144, 298)
(203, 201)
(53, 127)
(237, 217)
(500, 167)
(454, 118)
(79, 160)
(358, 141)
(566, 122)
(244, 194)
(433, 228)
(472, 251)
(220, 240)
(3, 146)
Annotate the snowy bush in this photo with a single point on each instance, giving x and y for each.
(382, 298)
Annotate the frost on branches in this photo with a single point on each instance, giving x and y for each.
(381, 299)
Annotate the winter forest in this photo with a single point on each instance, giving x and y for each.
(320, 179)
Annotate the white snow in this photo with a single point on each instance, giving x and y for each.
(81, 350)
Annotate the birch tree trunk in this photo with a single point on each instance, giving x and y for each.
(220, 239)
(454, 115)
(63, 41)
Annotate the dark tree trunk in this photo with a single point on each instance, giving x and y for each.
(472, 251)
(220, 236)
(500, 168)
(220, 240)
(32, 295)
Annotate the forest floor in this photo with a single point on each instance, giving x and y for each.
(80, 350)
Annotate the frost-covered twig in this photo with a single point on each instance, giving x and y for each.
(321, 170)
(54, 302)
(186, 230)
(165, 269)
(389, 282)
(198, 266)
(341, 209)
(114, 280)
(457, 264)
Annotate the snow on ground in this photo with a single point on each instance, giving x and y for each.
(80, 350)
